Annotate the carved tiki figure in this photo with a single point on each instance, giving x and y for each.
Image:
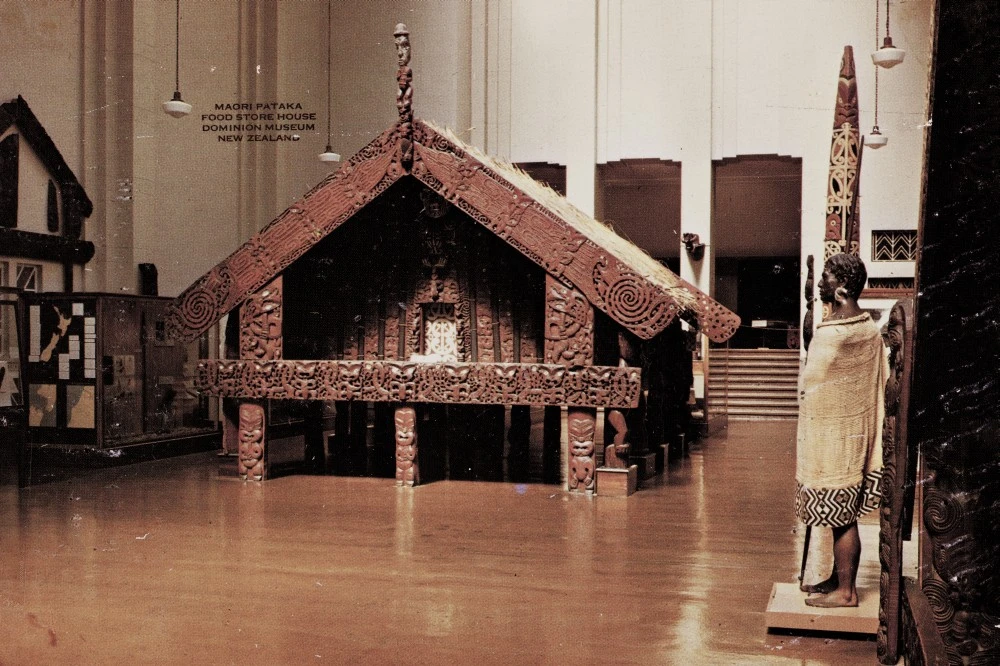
(616, 453)
(251, 452)
(581, 444)
(407, 472)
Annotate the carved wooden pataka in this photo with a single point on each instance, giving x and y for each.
(424, 273)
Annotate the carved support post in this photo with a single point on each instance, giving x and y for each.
(251, 463)
(569, 325)
(581, 425)
(407, 469)
(260, 324)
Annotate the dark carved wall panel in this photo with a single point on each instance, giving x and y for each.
(955, 389)
(395, 381)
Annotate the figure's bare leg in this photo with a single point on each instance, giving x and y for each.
(846, 558)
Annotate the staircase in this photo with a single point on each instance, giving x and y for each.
(759, 383)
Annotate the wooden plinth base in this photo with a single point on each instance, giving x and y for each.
(617, 482)
(646, 464)
(786, 609)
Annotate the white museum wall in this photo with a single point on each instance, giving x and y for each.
(567, 81)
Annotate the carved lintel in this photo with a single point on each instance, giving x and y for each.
(409, 381)
(581, 423)
(569, 325)
(407, 467)
(253, 439)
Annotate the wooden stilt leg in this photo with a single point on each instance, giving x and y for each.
(253, 438)
(407, 470)
(581, 425)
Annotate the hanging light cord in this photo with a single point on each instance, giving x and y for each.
(876, 48)
(177, 48)
(328, 135)
(886, 17)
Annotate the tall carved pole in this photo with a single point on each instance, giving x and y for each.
(845, 148)
(404, 97)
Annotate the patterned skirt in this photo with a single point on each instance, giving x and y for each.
(838, 507)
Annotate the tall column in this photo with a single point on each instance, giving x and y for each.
(696, 166)
(258, 74)
(581, 123)
(107, 137)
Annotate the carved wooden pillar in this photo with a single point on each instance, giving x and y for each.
(569, 341)
(260, 336)
(582, 425)
(407, 468)
(251, 463)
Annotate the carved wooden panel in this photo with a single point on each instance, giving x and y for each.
(616, 453)
(898, 334)
(845, 150)
(395, 381)
(485, 333)
(260, 324)
(569, 325)
(581, 423)
(287, 237)
(552, 243)
(253, 436)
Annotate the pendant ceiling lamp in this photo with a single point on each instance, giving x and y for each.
(177, 107)
(887, 55)
(328, 155)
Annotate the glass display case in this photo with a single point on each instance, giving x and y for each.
(102, 374)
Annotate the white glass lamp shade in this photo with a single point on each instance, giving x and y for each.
(177, 107)
(328, 155)
(876, 139)
(888, 56)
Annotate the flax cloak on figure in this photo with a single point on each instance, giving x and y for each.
(839, 439)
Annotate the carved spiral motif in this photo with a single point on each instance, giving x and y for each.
(937, 596)
(200, 308)
(941, 513)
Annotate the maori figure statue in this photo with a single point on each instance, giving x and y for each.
(404, 97)
(569, 325)
(407, 470)
(581, 448)
(845, 148)
(616, 453)
(260, 324)
(252, 437)
(895, 475)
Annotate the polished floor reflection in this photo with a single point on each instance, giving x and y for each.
(163, 562)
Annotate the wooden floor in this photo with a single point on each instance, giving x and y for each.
(163, 562)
